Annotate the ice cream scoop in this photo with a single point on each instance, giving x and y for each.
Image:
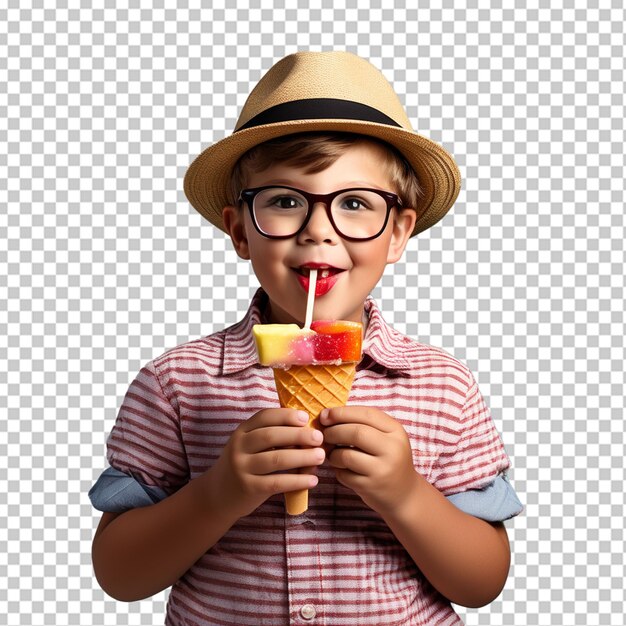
(325, 342)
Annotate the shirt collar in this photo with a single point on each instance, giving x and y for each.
(382, 343)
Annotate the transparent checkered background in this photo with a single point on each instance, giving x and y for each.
(104, 265)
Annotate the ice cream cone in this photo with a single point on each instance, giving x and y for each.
(312, 388)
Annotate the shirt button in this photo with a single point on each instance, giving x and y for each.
(307, 611)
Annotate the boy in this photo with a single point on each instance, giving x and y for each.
(408, 490)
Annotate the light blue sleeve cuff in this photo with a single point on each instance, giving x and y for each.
(116, 492)
(494, 503)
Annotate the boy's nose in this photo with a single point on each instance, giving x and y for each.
(319, 227)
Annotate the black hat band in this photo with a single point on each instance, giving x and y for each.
(319, 109)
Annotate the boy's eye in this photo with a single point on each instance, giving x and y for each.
(286, 202)
(273, 199)
(353, 204)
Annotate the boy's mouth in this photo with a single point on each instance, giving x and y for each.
(327, 276)
(322, 271)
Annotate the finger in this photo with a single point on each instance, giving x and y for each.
(275, 417)
(366, 415)
(282, 483)
(365, 438)
(271, 437)
(353, 460)
(284, 460)
(266, 486)
(352, 480)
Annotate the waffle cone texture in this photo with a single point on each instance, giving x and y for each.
(312, 388)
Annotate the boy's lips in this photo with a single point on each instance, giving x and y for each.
(327, 276)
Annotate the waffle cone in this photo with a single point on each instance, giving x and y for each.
(312, 388)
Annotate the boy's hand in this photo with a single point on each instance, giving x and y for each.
(259, 456)
(372, 455)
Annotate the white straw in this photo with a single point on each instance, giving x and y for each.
(310, 299)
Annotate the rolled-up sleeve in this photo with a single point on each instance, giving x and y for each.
(116, 492)
(495, 502)
(472, 473)
(145, 449)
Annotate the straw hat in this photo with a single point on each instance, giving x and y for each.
(324, 91)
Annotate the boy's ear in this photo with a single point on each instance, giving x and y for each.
(403, 224)
(233, 218)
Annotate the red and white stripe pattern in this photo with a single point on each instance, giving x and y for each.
(338, 563)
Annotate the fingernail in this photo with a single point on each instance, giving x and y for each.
(323, 415)
(317, 436)
(303, 417)
(320, 454)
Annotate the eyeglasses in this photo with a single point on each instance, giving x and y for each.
(356, 214)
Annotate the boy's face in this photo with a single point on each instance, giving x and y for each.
(354, 267)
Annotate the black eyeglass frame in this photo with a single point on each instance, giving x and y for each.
(248, 195)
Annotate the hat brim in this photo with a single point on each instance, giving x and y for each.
(207, 181)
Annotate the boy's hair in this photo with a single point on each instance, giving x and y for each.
(316, 151)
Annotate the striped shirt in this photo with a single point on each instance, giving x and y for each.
(338, 563)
